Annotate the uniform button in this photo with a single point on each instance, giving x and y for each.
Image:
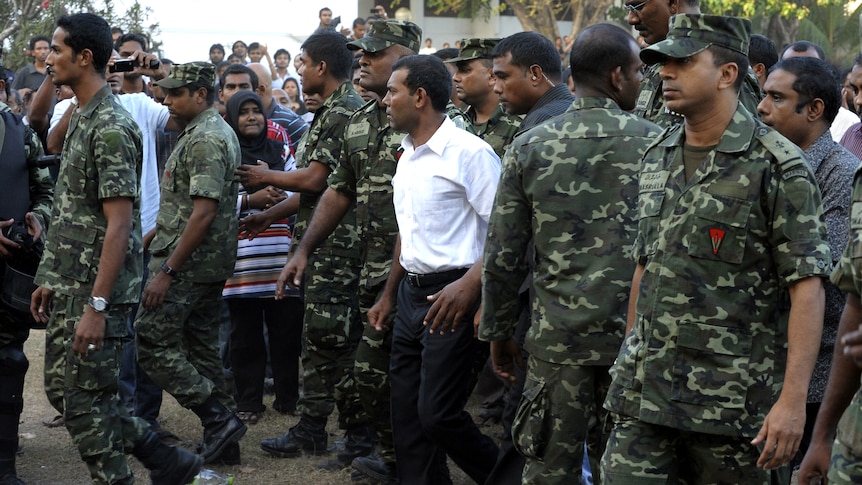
(821, 264)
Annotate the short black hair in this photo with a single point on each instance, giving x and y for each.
(597, 51)
(240, 69)
(324, 9)
(132, 37)
(88, 31)
(446, 54)
(804, 45)
(253, 46)
(358, 21)
(330, 47)
(217, 47)
(723, 55)
(37, 38)
(531, 48)
(194, 86)
(761, 50)
(282, 51)
(117, 30)
(857, 61)
(430, 74)
(815, 78)
(233, 46)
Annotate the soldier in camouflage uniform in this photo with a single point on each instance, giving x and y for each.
(474, 83)
(364, 177)
(332, 328)
(711, 380)
(650, 19)
(579, 307)
(25, 210)
(838, 431)
(90, 274)
(193, 253)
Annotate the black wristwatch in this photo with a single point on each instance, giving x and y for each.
(98, 304)
(168, 270)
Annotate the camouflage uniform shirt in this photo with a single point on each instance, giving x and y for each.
(848, 277)
(201, 165)
(650, 104)
(371, 151)
(570, 185)
(709, 345)
(498, 131)
(101, 159)
(323, 143)
(41, 183)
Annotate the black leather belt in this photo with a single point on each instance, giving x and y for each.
(422, 280)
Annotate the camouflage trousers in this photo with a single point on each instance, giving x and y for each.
(177, 343)
(371, 372)
(331, 334)
(83, 387)
(560, 409)
(845, 467)
(640, 453)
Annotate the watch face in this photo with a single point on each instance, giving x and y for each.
(98, 304)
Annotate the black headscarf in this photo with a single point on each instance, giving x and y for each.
(259, 147)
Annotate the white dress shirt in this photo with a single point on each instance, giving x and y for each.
(444, 193)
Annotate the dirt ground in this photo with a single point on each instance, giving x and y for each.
(48, 456)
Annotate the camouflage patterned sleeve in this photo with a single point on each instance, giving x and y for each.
(505, 255)
(799, 242)
(208, 166)
(328, 148)
(116, 149)
(41, 183)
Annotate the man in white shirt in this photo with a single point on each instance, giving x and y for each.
(444, 188)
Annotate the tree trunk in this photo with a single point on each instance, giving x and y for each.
(782, 31)
(537, 16)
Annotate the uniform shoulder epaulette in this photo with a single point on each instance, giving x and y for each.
(789, 157)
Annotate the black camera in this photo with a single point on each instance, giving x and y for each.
(123, 65)
(128, 65)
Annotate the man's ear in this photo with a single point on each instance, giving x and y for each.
(617, 78)
(729, 74)
(421, 98)
(85, 57)
(759, 69)
(815, 109)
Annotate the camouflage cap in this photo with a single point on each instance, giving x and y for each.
(693, 33)
(475, 49)
(382, 34)
(182, 74)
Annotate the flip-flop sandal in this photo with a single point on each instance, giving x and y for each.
(54, 422)
(248, 417)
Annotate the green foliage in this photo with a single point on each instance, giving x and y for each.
(44, 20)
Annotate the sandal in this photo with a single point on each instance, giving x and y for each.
(248, 417)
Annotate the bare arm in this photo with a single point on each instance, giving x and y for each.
(57, 136)
(311, 179)
(633, 298)
(257, 223)
(378, 315)
(40, 106)
(782, 429)
(203, 214)
(118, 214)
(328, 213)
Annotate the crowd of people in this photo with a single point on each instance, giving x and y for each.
(647, 255)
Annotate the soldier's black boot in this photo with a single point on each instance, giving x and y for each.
(359, 442)
(308, 435)
(222, 428)
(168, 465)
(13, 367)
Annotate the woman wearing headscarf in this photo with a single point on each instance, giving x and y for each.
(250, 292)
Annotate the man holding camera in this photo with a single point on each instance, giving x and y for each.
(25, 209)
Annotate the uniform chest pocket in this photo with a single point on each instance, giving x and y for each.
(649, 210)
(719, 229)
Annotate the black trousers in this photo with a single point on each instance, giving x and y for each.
(431, 378)
(248, 351)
